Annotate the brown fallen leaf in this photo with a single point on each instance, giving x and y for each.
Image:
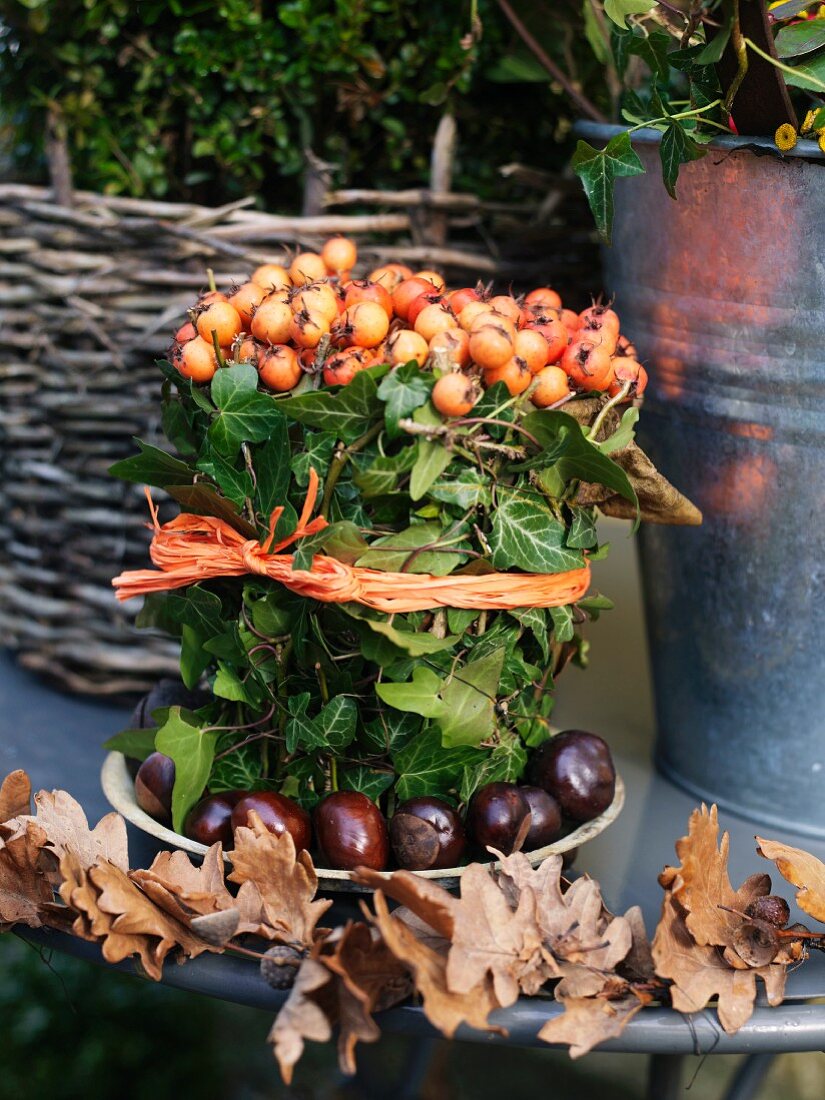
(66, 828)
(184, 889)
(430, 902)
(347, 977)
(370, 979)
(588, 1021)
(286, 883)
(699, 972)
(24, 889)
(444, 1008)
(15, 795)
(802, 870)
(701, 884)
(113, 910)
(306, 1014)
(637, 964)
(492, 940)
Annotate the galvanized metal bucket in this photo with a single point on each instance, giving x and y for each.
(723, 291)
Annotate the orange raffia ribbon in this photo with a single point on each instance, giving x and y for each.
(190, 549)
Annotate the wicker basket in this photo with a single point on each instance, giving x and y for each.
(90, 294)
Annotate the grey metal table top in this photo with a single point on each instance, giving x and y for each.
(57, 739)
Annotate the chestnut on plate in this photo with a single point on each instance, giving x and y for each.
(351, 832)
(153, 786)
(278, 813)
(427, 834)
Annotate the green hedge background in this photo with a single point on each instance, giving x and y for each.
(207, 101)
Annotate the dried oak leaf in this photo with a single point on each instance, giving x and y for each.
(430, 902)
(444, 1008)
(183, 889)
(588, 1021)
(24, 889)
(659, 501)
(285, 883)
(802, 870)
(66, 828)
(637, 965)
(307, 1014)
(492, 939)
(701, 884)
(348, 976)
(112, 909)
(15, 795)
(699, 972)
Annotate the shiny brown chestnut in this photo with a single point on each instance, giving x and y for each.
(210, 820)
(153, 786)
(278, 813)
(351, 832)
(545, 823)
(427, 834)
(495, 816)
(577, 769)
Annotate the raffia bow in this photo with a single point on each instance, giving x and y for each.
(190, 549)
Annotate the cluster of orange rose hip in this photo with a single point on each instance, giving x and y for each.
(313, 318)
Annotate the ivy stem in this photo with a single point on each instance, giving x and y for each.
(605, 409)
(217, 347)
(339, 461)
(695, 113)
(738, 43)
(333, 773)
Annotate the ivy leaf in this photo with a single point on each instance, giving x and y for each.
(468, 489)
(595, 604)
(581, 459)
(416, 644)
(136, 744)
(468, 701)
(346, 543)
(562, 623)
(346, 413)
(526, 535)
(198, 607)
(383, 475)
(432, 460)
(714, 49)
(405, 389)
(676, 148)
(244, 414)
(582, 534)
(505, 764)
(392, 552)
(419, 695)
(235, 484)
(193, 657)
(369, 781)
(618, 10)
(193, 750)
(390, 731)
(153, 467)
(271, 460)
(240, 770)
(316, 453)
(534, 619)
(598, 169)
(228, 685)
(306, 548)
(424, 766)
(302, 731)
(338, 720)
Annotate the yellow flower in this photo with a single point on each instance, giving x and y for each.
(821, 141)
(807, 125)
(785, 137)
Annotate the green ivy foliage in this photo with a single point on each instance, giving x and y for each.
(209, 101)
